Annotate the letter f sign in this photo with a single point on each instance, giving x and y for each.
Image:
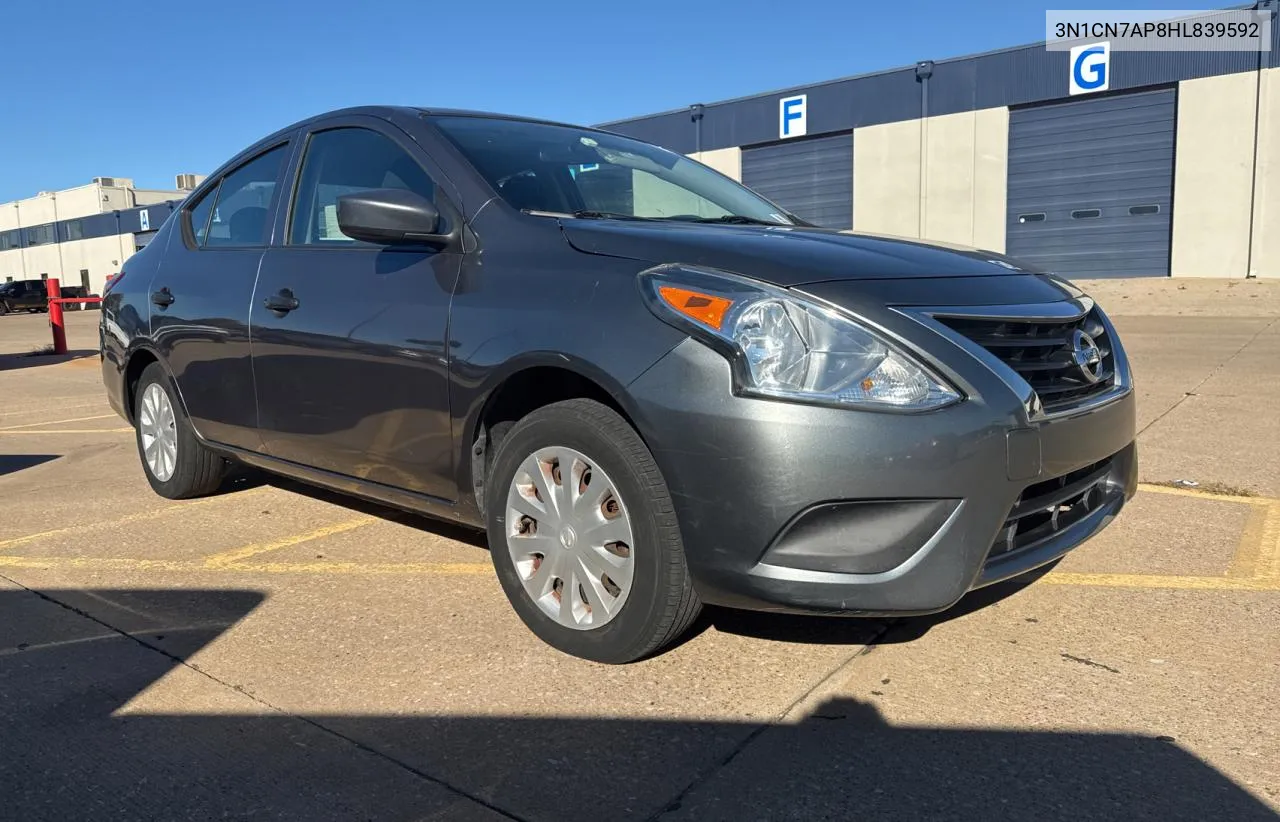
(793, 118)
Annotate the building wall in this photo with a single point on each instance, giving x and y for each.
(727, 161)
(32, 211)
(1213, 176)
(145, 196)
(100, 255)
(886, 179)
(991, 178)
(11, 265)
(75, 202)
(1265, 256)
(941, 178)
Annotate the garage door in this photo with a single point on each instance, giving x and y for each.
(811, 178)
(1091, 185)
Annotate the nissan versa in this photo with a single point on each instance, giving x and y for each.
(652, 387)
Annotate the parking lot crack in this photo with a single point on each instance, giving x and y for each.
(1212, 373)
(1090, 663)
(363, 747)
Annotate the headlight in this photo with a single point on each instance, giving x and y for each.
(783, 345)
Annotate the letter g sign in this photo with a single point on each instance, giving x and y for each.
(1090, 68)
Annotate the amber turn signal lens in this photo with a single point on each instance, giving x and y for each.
(705, 308)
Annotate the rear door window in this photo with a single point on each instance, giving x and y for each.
(242, 206)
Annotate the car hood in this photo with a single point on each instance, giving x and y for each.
(786, 255)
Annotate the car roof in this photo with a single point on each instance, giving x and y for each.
(385, 111)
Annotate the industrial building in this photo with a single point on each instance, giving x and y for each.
(1166, 163)
(83, 235)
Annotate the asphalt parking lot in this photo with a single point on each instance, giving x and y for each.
(273, 651)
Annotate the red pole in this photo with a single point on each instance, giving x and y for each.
(53, 288)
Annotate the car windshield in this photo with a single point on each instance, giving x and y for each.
(566, 170)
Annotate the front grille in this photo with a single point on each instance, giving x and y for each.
(1047, 508)
(1041, 352)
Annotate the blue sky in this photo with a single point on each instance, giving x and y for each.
(149, 89)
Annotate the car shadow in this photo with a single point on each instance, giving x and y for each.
(245, 478)
(91, 732)
(13, 463)
(839, 630)
(32, 359)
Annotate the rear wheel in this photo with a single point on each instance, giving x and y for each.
(177, 465)
(4, 309)
(584, 536)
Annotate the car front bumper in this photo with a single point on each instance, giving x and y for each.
(789, 507)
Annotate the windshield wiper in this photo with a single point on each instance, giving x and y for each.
(736, 219)
(605, 215)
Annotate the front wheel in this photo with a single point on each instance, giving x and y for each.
(4, 309)
(584, 537)
(177, 465)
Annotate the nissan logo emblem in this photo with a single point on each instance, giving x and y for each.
(1086, 354)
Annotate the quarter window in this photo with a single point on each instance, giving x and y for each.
(199, 215)
(243, 202)
(343, 161)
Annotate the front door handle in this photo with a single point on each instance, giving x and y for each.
(162, 298)
(282, 302)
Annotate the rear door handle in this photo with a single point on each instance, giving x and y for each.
(162, 298)
(282, 302)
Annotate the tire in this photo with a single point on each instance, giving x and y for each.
(4, 309)
(195, 470)
(659, 604)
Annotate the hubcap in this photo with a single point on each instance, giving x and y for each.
(159, 432)
(570, 538)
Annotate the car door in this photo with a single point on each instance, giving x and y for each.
(349, 338)
(34, 295)
(18, 296)
(200, 296)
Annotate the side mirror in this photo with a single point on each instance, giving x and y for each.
(390, 216)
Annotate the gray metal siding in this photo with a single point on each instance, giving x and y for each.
(674, 131)
(1017, 76)
(111, 223)
(812, 177)
(1103, 154)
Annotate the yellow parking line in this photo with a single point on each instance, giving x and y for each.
(69, 431)
(1191, 492)
(57, 422)
(126, 564)
(52, 401)
(1267, 564)
(1244, 563)
(125, 520)
(440, 568)
(1165, 582)
(235, 555)
(95, 564)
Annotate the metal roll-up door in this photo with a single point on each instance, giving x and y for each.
(1091, 185)
(811, 178)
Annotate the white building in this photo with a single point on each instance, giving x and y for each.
(82, 235)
